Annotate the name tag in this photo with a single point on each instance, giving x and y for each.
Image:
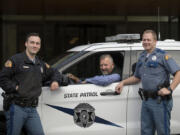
(25, 66)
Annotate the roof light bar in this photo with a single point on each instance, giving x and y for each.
(122, 37)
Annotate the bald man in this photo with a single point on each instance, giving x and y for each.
(109, 73)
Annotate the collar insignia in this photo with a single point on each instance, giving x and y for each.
(8, 64)
(25, 66)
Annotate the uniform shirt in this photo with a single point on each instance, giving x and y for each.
(155, 69)
(20, 71)
(104, 80)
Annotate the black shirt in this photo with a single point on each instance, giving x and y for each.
(27, 75)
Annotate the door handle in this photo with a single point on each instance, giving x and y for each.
(109, 93)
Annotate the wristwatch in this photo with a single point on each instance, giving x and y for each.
(169, 88)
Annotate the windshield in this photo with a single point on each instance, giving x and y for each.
(60, 59)
(67, 58)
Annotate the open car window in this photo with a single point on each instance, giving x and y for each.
(89, 66)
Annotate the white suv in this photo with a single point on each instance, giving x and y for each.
(87, 109)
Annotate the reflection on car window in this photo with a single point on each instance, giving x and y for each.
(63, 58)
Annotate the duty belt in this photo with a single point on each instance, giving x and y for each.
(24, 102)
(145, 94)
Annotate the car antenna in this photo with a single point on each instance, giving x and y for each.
(159, 29)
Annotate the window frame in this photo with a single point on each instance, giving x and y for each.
(90, 54)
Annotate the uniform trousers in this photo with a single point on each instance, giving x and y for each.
(18, 117)
(155, 117)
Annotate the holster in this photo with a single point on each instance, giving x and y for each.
(7, 100)
(140, 92)
(145, 94)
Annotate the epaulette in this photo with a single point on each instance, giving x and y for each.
(160, 51)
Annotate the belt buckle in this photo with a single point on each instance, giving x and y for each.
(24, 100)
(154, 95)
(20, 103)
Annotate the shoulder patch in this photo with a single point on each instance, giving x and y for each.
(167, 57)
(8, 63)
(47, 65)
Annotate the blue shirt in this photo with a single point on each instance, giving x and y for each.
(155, 69)
(104, 80)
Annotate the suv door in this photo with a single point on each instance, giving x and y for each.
(79, 109)
(175, 119)
(134, 101)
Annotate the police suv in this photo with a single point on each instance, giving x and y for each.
(88, 109)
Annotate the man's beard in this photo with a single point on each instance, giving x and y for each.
(104, 72)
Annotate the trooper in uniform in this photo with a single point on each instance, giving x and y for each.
(153, 69)
(22, 78)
